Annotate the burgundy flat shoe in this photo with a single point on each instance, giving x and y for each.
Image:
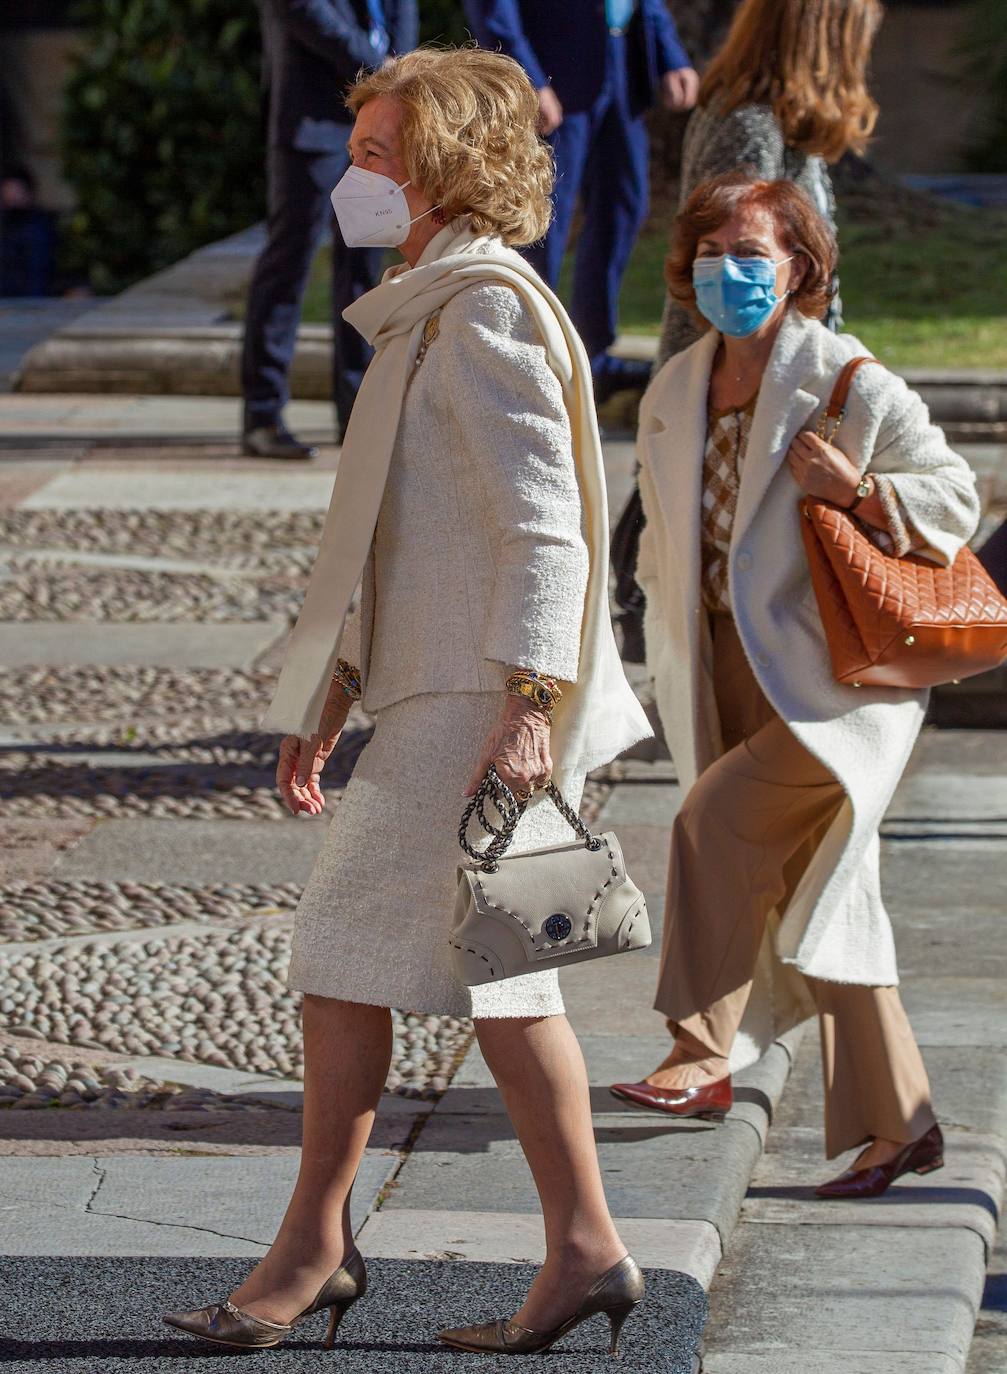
(921, 1156)
(710, 1102)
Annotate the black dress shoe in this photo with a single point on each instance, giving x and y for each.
(273, 441)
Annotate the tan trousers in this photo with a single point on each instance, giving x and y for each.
(743, 838)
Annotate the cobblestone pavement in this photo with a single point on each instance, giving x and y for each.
(179, 971)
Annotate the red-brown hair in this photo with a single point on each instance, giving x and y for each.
(798, 224)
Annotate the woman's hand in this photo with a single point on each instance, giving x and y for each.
(822, 470)
(299, 767)
(519, 746)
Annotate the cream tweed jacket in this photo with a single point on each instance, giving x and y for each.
(478, 559)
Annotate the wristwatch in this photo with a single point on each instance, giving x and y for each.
(864, 488)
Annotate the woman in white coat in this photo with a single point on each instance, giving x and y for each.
(774, 901)
(470, 500)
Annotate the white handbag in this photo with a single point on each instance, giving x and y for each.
(544, 907)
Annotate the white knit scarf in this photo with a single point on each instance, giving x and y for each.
(599, 715)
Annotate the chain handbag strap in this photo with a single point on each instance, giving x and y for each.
(493, 789)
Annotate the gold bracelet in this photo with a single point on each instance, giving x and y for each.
(348, 679)
(535, 687)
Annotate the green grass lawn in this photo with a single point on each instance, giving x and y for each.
(931, 293)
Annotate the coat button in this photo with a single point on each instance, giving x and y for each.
(763, 660)
(744, 560)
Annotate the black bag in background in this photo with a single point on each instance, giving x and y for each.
(993, 556)
(629, 595)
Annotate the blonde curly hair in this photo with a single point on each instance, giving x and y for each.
(469, 136)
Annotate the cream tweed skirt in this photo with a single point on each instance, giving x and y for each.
(373, 923)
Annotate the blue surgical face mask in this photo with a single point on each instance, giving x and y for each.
(736, 295)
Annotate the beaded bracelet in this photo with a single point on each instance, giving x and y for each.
(349, 679)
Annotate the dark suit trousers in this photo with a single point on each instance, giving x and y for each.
(299, 213)
(602, 158)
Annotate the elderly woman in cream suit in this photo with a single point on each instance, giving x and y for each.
(773, 878)
(470, 496)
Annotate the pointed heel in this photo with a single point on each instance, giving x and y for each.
(336, 1314)
(617, 1318)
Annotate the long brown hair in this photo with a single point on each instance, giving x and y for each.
(807, 59)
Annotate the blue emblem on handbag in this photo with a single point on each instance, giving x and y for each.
(558, 926)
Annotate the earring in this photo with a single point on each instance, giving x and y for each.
(438, 216)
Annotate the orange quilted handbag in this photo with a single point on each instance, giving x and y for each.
(896, 622)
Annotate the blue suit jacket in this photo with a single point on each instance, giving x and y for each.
(561, 43)
(312, 50)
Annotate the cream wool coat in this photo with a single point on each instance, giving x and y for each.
(836, 928)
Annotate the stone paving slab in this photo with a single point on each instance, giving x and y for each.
(600, 990)
(58, 560)
(171, 645)
(807, 1360)
(89, 488)
(30, 848)
(849, 1290)
(105, 1315)
(955, 797)
(20, 480)
(651, 1168)
(651, 804)
(205, 852)
(971, 1087)
(131, 1206)
(87, 416)
(690, 1247)
(205, 1132)
(968, 753)
(957, 1011)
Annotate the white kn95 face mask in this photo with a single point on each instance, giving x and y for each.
(372, 210)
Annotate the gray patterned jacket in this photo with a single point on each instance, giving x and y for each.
(748, 137)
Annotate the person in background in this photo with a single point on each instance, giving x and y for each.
(598, 67)
(27, 238)
(774, 906)
(312, 51)
(785, 96)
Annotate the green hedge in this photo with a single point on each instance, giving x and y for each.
(163, 134)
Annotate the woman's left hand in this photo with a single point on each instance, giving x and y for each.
(822, 470)
(519, 746)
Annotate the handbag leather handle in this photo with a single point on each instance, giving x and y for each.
(836, 408)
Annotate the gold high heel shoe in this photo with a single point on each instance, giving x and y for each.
(616, 1293)
(225, 1324)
